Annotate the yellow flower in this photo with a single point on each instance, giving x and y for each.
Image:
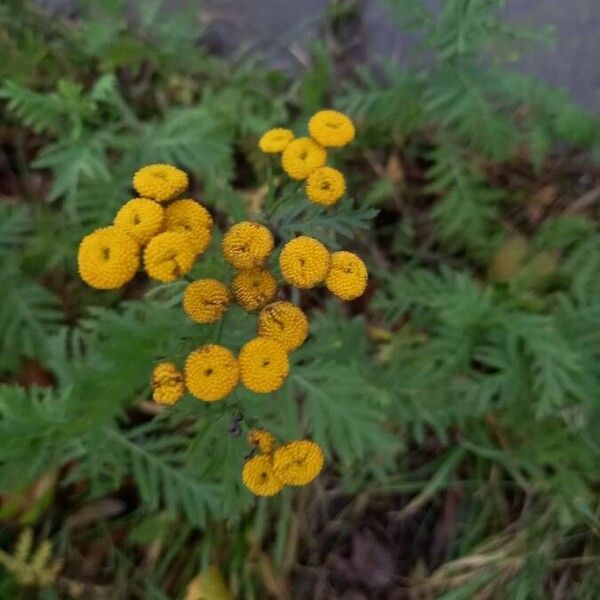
(304, 262)
(298, 463)
(141, 218)
(264, 365)
(189, 216)
(301, 157)
(247, 245)
(325, 186)
(160, 182)
(254, 288)
(274, 141)
(331, 128)
(168, 256)
(211, 372)
(258, 476)
(108, 258)
(205, 300)
(347, 277)
(261, 438)
(167, 383)
(284, 322)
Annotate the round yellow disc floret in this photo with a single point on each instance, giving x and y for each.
(205, 300)
(169, 256)
(189, 216)
(264, 365)
(108, 258)
(298, 463)
(211, 372)
(247, 245)
(325, 186)
(301, 157)
(331, 129)
(258, 476)
(261, 438)
(254, 288)
(347, 277)
(285, 322)
(167, 383)
(141, 218)
(274, 141)
(160, 182)
(304, 262)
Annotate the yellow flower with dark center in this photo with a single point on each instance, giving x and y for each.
(264, 365)
(301, 157)
(189, 216)
(347, 277)
(274, 141)
(160, 182)
(258, 476)
(108, 258)
(298, 463)
(205, 300)
(304, 262)
(141, 218)
(325, 186)
(167, 383)
(254, 288)
(211, 372)
(169, 256)
(261, 438)
(331, 129)
(284, 322)
(247, 245)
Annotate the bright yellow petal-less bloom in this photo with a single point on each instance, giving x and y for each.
(331, 129)
(258, 476)
(141, 218)
(205, 300)
(274, 141)
(301, 157)
(304, 262)
(261, 438)
(247, 245)
(108, 258)
(167, 383)
(254, 288)
(325, 186)
(169, 256)
(347, 277)
(160, 182)
(211, 372)
(189, 216)
(298, 463)
(264, 365)
(285, 322)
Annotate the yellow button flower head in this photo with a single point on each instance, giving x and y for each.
(258, 476)
(298, 463)
(264, 365)
(211, 372)
(169, 256)
(160, 182)
(284, 322)
(304, 262)
(167, 383)
(205, 300)
(247, 245)
(347, 277)
(331, 129)
(274, 141)
(141, 218)
(254, 288)
(325, 186)
(108, 258)
(189, 216)
(301, 157)
(261, 438)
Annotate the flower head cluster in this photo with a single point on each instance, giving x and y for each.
(167, 383)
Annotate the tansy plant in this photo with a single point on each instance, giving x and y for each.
(165, 235)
